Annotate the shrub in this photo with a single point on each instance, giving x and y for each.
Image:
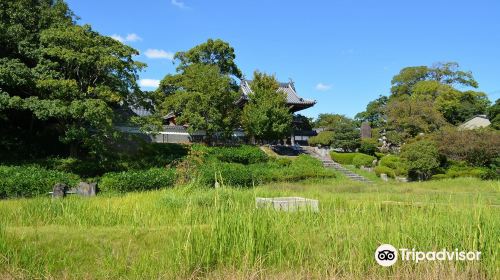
(235, 174)
(324, 138)
(379, 155)
(343, 158)
(243, 154)
(422, 158)
(368, 146)
(478, 147)
(363, 160)
(384, 170)
(140, 180)
(395, 163)
(457, 170)
(26, 181)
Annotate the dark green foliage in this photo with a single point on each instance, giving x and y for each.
(478, 147)
(368, 146)
(203, 98)
(60, 81)
(385, 170)
(242, 154)
(266, 115)
(395, 163)
(494, 115)
(461, 169)
(374, 113)
(422, 158)
(140, 180)
(324, 138)
(345, 136)
(235, 174)
(212, 52)
(363, 160)
(344, 158)
(445, 73)
(27, 181)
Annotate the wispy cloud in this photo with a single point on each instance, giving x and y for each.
(131, 37)
(149, 83)
(159, 54)
(179, 4)
(323, 87)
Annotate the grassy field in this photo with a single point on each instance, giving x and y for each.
(189, 232)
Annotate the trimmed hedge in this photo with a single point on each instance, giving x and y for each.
(242, 154)
(461, 169)
(386, 170)
(27, 181)
(363, 160)
(236, 174)
(140, 180)
(345, 158)
(395, 163)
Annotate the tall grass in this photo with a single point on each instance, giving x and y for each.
(192, 232)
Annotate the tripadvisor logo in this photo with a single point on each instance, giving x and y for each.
(387, 255)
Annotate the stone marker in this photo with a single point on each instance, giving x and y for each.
(86, 189)
(59, 190)
(384, 177)
(288, 204)
(402, 179)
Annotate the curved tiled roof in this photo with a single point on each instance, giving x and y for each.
(292, 97)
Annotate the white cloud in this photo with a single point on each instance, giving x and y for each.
(131, 37)
(323, 87)
(150, 83)
(159, 54)
(118, 38)
(178, 3)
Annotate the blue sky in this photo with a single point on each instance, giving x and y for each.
(342, 53)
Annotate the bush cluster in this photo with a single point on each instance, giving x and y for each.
(27, 181)
(397, 164)
(363, 160)
(348, 158)
(139, 180)
(384, 170)
(368, 146)
(462, 169)
(237, 174)
(243, 154)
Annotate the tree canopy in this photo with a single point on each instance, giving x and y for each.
(61, 77)
(203, 99)
(212, 52)
(266, 116)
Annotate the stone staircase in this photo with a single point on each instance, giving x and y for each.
(329, 163)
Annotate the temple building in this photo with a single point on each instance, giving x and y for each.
(176, 133)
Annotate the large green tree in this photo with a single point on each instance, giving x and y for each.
(60, 77)
(409, 116)
(447, 73)
(342, 131)
(374, 113)
(266, 115)
(212, 52)
(202, 98)
(422, 159)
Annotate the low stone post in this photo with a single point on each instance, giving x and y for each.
(59, 190)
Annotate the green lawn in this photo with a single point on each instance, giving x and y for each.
(190, 232)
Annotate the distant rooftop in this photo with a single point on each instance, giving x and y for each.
(292, 98)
